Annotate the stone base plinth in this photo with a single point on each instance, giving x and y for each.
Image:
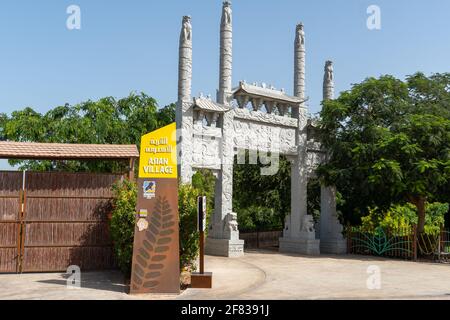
(201, 280)
(301, 246)
(333, 246)
(224, 247)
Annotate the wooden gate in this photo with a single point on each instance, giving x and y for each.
(63, 221)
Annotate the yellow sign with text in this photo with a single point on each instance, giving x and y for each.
(158, 158)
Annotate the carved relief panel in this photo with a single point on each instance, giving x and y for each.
(206, 148)
(252, 135)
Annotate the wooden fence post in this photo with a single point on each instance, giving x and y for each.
(131, 169)
(414, 242)
(257, 239)
(349, 239)
(441, 242)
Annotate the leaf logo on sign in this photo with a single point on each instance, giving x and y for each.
(151, 257)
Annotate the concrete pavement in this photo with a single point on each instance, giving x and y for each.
(260, 275)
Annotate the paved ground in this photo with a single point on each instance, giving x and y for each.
(260, 275)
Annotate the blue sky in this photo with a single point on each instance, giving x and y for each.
(126, 46)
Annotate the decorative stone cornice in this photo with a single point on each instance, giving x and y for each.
(266, 94)
(209, 105)
(265, 118)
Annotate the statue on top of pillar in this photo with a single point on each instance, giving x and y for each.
(300, 38)
(328, 71)
(226, 17)
(186, 31)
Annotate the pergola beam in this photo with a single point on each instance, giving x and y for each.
(61, 151)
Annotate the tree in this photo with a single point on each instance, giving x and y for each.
(106, 121)
(389, 142)
(265, 204)
(3, 119)
(166, 115)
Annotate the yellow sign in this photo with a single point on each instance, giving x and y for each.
(158, 157)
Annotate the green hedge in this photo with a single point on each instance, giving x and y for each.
(122, 223)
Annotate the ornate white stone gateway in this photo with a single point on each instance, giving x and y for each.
(265, 121)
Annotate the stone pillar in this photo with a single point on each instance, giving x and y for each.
(226, 55)
(299, 62)
(184, 112)
(331, 238)
(223, 235)
(299, 235)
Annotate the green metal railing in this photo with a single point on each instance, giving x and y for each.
(382, 242)
(402, 243)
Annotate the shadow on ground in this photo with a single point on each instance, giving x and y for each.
(274, 251)
(105, 281)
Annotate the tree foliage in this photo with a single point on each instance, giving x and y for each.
(399, 218)
(106, 121)
(389, 142)
(3, 120)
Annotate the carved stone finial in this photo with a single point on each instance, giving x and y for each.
(328, 65)
(186, 31)
(300, 34)
(227, 13)
(328, 71)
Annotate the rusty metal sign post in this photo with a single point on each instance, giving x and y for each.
(202, 279)
(155, 267)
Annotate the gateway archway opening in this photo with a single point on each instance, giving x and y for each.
(261, 201)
